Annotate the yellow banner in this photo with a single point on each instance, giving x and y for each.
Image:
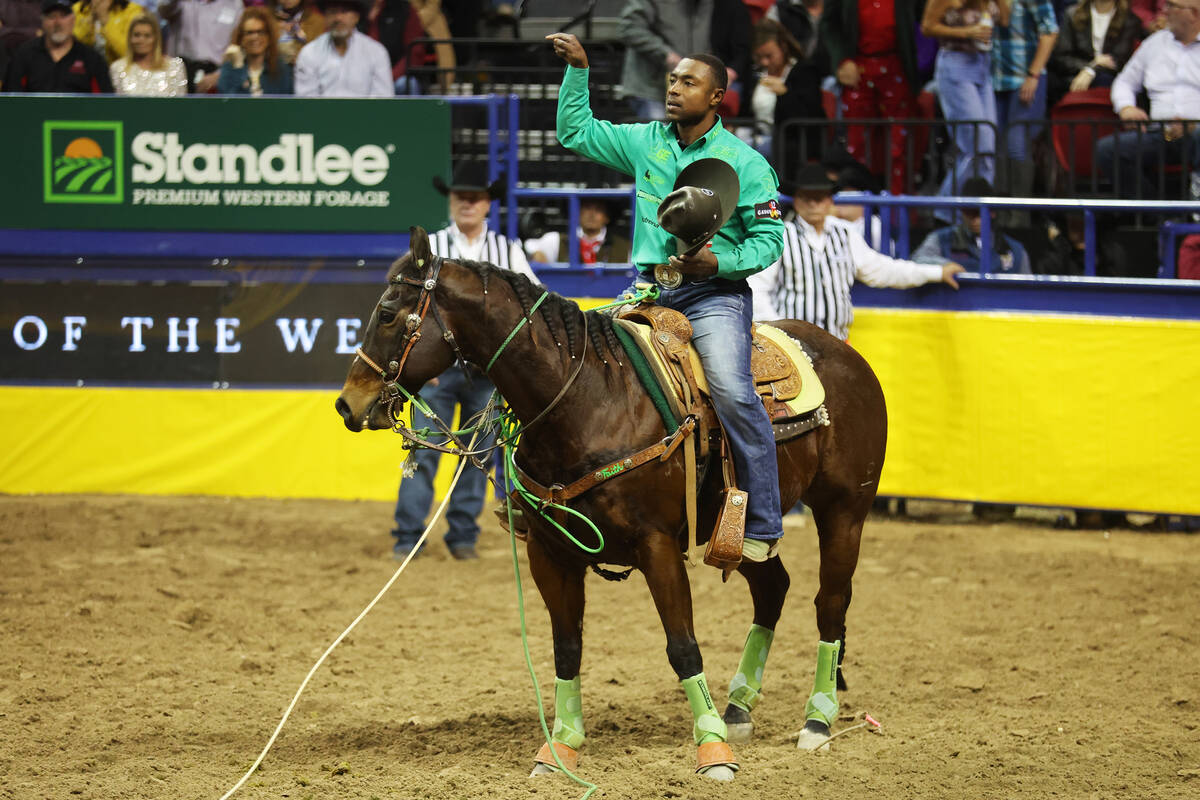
(1062, 411)
(1069, 410)
(205, 441)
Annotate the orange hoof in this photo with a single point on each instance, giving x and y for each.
(569, 756)
(715, 754)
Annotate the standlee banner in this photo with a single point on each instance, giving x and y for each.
(201, 334)
(228, 163)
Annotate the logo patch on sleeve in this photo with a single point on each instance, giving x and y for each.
(769, 209)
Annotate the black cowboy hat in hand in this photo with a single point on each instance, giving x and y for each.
(470, 176)
(705, 195)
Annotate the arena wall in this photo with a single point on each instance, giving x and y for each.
(1004, 406)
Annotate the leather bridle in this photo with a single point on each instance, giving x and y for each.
(391, 391)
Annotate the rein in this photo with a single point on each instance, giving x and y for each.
(540, 498)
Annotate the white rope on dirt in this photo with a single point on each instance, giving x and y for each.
(462, 463)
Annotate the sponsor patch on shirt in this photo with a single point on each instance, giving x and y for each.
(769, 209)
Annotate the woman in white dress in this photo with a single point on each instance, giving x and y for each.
(145, 71)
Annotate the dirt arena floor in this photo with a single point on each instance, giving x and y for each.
(150, 646)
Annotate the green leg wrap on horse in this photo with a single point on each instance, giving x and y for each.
(568, 713)
(708, 725)
(823, 704)
(745, 688)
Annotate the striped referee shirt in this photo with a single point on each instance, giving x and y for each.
(811, 281)
(489, 246)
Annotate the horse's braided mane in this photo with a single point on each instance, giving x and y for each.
(562, 316)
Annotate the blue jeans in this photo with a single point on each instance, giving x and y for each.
(416, 493)
(1019, 123)
(1138, 155)
(720, 313)
(964, 84)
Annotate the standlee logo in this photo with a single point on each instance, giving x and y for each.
(161, 158)
(83, 162)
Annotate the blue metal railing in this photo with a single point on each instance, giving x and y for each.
(1089, 209)
(1168, 234)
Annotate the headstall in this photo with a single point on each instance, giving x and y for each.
(391, 389)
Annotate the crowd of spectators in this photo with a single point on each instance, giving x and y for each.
(339, 48)
(992, 68)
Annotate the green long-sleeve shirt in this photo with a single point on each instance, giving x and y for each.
(750, 241)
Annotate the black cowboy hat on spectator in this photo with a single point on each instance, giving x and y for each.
(704, 197)
(358, 5)
(857, 178)
(978, 186)
(813, 178)
(610, 207)
(50, 5)
(470, 176)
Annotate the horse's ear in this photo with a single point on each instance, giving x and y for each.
(418, 243)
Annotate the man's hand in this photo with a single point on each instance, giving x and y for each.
(1131, 115)
(696, 267)
(949, 270)
(1028, 91)
(568, 48)
(848, 74)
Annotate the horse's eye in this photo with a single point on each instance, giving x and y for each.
(386, 315)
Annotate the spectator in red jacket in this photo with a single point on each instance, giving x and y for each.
(57, 61)
(873, 49)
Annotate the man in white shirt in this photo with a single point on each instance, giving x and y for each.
(1167, 66)
(822, 257)
(199, 31)
(466, 237)
(342, 62)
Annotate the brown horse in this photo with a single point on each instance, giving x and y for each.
(434, 311)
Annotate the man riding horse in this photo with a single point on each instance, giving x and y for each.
(704, 281)
(713, 295)
(636, 508)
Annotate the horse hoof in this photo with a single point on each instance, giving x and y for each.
(739, 732)
(540, 770)
(814, 737)
(737, 721)
(720, 772)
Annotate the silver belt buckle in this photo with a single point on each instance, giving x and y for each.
(667, 276)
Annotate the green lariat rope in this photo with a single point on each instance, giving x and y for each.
(510, 431)
(537, 691)
(745, 688)
(822, 705)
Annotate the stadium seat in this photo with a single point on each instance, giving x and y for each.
(1073, 138)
